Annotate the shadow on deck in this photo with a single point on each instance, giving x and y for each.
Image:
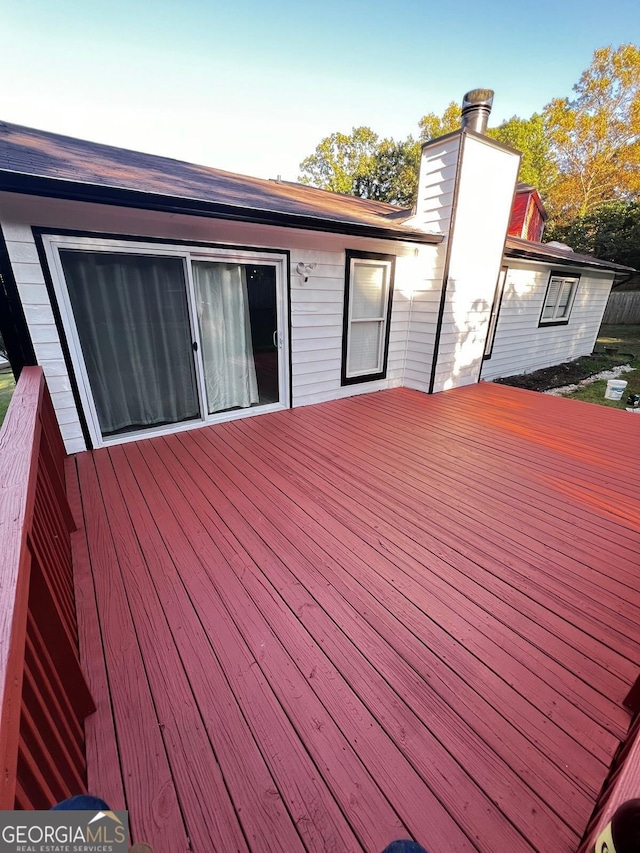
(388, 616)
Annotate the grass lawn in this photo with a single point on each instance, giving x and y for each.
(7, 385)
(594, 393)
(626, 339)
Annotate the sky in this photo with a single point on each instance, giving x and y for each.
(252, 87)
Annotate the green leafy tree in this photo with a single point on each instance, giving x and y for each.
(595, 138)
(394, 178)
(431, 125)
(364, 165)
(525, 135)
(529, 137)
(610, 231)
(342, 162)
(580, 154)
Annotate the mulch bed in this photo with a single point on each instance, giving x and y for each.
(569, 373)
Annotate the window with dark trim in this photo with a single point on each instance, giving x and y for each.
(495, 311)
(558, 300)
(367, 316)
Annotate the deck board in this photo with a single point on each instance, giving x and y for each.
(203, 796)
(387, 616)
(261, 797)
(147, 777)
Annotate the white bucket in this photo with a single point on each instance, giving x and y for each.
(615, 389)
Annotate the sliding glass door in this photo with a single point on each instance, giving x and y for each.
(132, 320)
(164, 340)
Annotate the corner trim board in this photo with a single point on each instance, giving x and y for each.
(13, 323)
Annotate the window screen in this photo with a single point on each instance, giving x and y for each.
(559, 299)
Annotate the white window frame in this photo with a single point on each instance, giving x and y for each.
(562, 280)
(379, 371)
(54, 242)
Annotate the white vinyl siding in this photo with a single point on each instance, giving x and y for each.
(523, 344)
(368, 309)
(436, 185)
(316, 305)
(434, 206)
(560, 295)
(425, 303)
(44, 335)
(317, 314)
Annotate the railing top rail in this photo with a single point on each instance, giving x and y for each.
(19, 445)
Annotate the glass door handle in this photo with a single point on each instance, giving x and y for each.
(275, 339)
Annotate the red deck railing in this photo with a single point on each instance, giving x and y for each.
(622, 784)
(43, 694)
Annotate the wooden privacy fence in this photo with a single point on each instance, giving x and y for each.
(43, 694)
(623, 307)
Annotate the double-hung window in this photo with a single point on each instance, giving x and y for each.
(558, 301)
(367, 312)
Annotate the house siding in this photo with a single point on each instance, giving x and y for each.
(36, 304)
(316, 305)
(520, 345)
(436, 189)
(423, 323)
(436, 184)
(317, 308)
(485, 187)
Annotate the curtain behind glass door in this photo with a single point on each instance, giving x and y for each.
(222, 304)
(132, 319)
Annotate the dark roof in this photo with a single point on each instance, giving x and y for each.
(41, 163)
(516, 247)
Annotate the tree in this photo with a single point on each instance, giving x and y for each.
(394, 177)
(609, 231)
(529, 137)
(342, 162)
(580, 154)
(431, 126)
(364, 165)
(595, 138)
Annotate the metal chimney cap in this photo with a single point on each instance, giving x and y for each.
(476, 106)
(478, 98)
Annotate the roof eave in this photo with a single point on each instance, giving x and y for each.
(123, 197)
(578, 261)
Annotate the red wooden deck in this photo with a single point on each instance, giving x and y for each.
(389, 616)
